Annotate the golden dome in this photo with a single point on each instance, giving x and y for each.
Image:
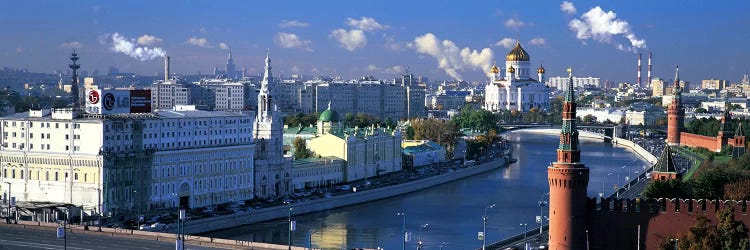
(494, 69)
(540, 70)
(511, 70)
(517, 54)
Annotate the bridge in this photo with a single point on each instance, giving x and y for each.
(605, 131)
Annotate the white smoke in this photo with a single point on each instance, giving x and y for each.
(129, 47)
(605, 27)
(450, 58)
(223, 46)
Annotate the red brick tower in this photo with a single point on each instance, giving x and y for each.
(568, 179)
(675, 113)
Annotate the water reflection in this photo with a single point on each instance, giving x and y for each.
(453, 210)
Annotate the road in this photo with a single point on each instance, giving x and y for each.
(15, 237)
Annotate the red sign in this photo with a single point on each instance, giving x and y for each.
(93, 97)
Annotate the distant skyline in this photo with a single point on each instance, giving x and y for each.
(436, 39)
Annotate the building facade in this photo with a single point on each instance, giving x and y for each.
(560, 83)
(123, 163)
(218, 94)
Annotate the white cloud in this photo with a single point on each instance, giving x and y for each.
(293, 24)
(296, 69)
(351, 39)
(223, 46)
(394, 70)
(568, 8)
(391, 43)
(20, 50)
(292, 41)
(514, 24)
(202, 30)
(372, 68)
(507, 43)
(604, 27)
(450, 58)
(121, 44)
(199, 41)
(71, 45)
(538, 41)
(366, 24)
(149, 40)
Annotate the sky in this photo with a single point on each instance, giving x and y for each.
(437, 39)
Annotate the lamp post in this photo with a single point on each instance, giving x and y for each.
(419, 236)
(99, 204)
(10, 188)
(676, 243)
(484, 226)
(138, 209)
(403, 230)
(290, 224)
(542, 203)
(525, 230)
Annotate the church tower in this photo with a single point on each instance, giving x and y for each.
(675, 113)
(568, 180)
(230, 70)
(268, 129)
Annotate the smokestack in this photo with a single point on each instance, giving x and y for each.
(639, 70)
(166, 68)
(649, 68)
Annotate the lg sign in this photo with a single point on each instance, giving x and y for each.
(109, 101)
(93, 97)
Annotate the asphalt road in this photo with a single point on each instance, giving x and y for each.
(12, 237)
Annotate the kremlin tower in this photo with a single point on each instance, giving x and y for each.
(675, 113)
(568, 179)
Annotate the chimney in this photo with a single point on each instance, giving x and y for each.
(166, 68)
(639, 70)
(649, 68)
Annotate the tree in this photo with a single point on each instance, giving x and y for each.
(409, 133)
(739, 190)
(589, 119)
(700, 110)
(732, 233)
(666, 189)
(702, 235)
(300, 148)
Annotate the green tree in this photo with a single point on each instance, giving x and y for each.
(738, 190)
(702, 235)
(732, 233)
(300, 148)
(409, 133)
(666, 189)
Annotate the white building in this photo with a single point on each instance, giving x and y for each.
(218, 94)
(168, 94)
(516, 90)
(368, 96)
(601, 114)
(273, 171)
(128, 162)
(561, 83)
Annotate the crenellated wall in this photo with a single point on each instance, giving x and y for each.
(613, 223)
(708, 142)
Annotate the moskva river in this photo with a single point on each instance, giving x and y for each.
(453, 211)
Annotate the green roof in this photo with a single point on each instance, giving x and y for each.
(665, 164)
(329, 116)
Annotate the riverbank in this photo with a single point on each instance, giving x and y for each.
(637, 149)
(311, 206)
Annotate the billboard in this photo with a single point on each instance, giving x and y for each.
(117, 101)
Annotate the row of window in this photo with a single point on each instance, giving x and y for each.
(42, 124)
(36, 175)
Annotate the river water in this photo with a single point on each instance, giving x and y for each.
(453, 211)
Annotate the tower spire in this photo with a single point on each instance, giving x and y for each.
(74, 90)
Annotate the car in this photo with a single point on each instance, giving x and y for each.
(345, 187)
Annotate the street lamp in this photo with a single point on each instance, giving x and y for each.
(525, 230)
(7, 218)
(403, 229)
(676, 243)
(290, 224)
(484, 226)
(542, 203)
(138, 216)
(419, 236)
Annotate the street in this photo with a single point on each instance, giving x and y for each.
(16, 237)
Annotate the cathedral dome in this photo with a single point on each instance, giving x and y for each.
(329, 116)
(517, 54)
(494, 69)
(511, 70)
(540, 70)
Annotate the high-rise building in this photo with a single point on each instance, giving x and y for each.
(169, 94)
(568, 180)
(714, 84)
(218, 94)
(560, 83)
(230, 70)
(658, 87)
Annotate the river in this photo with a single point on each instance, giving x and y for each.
(453, 211)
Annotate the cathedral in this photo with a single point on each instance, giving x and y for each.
(516, 90)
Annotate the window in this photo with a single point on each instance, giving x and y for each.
(46, 176)
(13, 174)
(57, 176)
(85, 177)
(75, 176)
(22, 173)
